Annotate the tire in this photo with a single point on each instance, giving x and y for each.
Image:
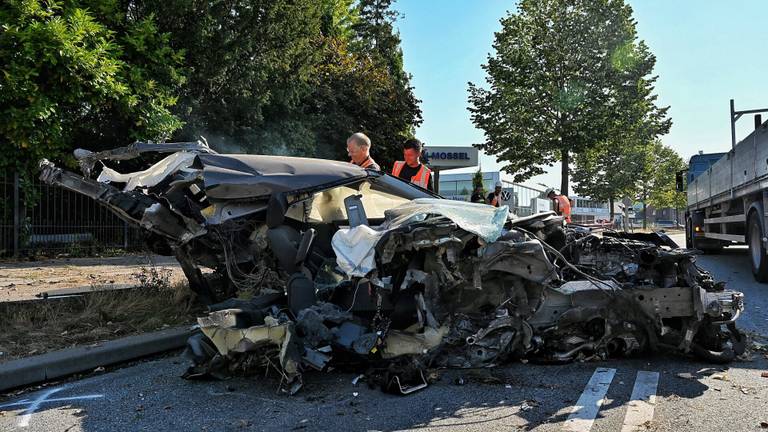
(757, 253)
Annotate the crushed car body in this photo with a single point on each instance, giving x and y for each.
(321, 265)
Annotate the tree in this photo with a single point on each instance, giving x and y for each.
(477, 182)
(80, 72)
(249, 65)
(664, 193)
(562, 73)
(656, 182)
(608, 172)
(392, 112)
(292, 77)
(646, 178)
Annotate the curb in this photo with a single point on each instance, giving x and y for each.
(68, 361)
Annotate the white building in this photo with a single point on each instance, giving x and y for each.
(587, 211)
(522, 200)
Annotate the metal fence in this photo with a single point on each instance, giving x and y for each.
(49, 220)
(522, 200)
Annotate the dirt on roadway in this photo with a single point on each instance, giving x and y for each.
(23, 280)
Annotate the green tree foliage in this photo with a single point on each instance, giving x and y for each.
(79, 73)
(565, 76)
(656, 181)
(292, 77)
(664, 193)
(361, 84)
(608, 172)
(248, 65)
(477, 182)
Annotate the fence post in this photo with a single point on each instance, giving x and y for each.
(16, 211)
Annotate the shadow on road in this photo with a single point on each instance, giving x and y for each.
(152, 396)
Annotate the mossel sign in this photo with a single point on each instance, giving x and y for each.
(451, 157)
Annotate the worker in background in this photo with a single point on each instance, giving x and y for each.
(411, 169)
(477, 195)
(562, 204)
(359, 150)
(494, 198)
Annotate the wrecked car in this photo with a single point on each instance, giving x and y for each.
(320, 264)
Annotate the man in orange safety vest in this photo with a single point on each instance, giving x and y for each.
(494, 198)
(359, 151)
(562, 204)
(411, 169)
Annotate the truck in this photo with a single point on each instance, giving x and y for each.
(727, 196)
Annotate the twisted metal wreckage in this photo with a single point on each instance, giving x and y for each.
(348, 268)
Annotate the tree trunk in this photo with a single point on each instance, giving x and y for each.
(565, 157)
(645, 215)
(610, 208)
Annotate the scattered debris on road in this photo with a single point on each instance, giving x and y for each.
(322, 265)
(528, 405)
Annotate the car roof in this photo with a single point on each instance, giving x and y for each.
(236, 176)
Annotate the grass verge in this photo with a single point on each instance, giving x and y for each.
(38, 327)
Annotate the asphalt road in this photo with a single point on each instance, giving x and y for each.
(685, 396)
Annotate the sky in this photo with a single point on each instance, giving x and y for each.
(707, 52)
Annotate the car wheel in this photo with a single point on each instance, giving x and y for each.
(757, 253)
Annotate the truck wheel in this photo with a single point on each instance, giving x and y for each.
(757, 253)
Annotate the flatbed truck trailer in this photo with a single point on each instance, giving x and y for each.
(728, 196)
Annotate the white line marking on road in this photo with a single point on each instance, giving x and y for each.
(642, 401)
(33, 405)
(26, 401)
(21, 402)
(24, 420)
(584, 412)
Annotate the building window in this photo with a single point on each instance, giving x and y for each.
(464, 187)
(447, 188)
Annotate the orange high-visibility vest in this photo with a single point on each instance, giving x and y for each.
(421, 178)
(495, 201)
(564, 207)
(366, 163)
